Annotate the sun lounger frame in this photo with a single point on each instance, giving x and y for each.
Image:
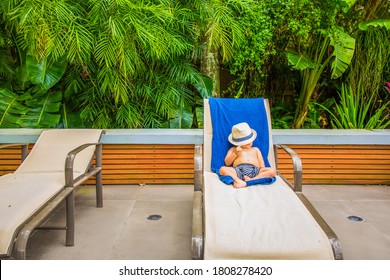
(197, 242)
(38, 218)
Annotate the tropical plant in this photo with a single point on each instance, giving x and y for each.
(352, 111)
(312, 65)
(370, 67)
(270, 26)
(128, 61)
(220, 34)
(29, 101)
(351, 15)
(281, 116)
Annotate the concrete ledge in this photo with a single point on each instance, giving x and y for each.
(195, 136)
(332, 136)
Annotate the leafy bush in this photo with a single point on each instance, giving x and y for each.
(352, 110)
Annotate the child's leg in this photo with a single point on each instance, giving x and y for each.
(230, 171)
(265, 172)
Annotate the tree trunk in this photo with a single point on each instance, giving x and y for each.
(210, 66)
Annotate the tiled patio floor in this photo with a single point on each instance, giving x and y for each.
(121, 229)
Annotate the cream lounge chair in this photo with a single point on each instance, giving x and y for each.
(269, 221)
(59, 162)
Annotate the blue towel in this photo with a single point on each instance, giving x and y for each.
(226, 112)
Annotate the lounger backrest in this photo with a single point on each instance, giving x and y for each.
(50, 151)
(208, 136)
(271, 155)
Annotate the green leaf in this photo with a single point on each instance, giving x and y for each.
(11, 108)
(182, 119)
(299, 61)
(349, 4)
(375, 23)
(70, 119)
(44, 110)
(344, 47)
(44, 72)
(204, 86)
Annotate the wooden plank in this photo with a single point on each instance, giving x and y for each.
(150, 181)
(146, 156)
(343, 147)
(149, 146)
(148, 176)
(322, 181)
(326, 166)
(340, 161)
(137, 166)
(148, 161)
(147, 171)
(342, 156)
(147, 151)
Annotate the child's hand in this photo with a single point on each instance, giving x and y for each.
(238, 149)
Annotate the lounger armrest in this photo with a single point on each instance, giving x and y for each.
(23, 146)
(297, 163)
(72, 156)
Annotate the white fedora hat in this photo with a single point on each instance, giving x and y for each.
(242, 134)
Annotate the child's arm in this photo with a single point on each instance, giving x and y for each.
(232, 155)
(260, 158)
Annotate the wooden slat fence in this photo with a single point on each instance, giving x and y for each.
(174, 164)
(340, 164)
(148, 164)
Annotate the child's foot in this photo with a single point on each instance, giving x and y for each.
(239, 184)
(247, 178)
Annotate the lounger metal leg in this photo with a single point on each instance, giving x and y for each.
(197, 227)
(70, 219)
(99, 184)
(21, 244)
(197, 210)
(24, 151)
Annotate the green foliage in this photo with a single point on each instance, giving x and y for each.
(122, 64)
(136, 64)
(299, 61)
(44, 110)
(343, 50)
(32, 104)
(40, 110)
(281, 117)
(11, 106)
(375, 23)
(270, 27)
(352, 111)
(370, 68)
(44, 72)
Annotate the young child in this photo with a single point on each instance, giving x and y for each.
(244, 162)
